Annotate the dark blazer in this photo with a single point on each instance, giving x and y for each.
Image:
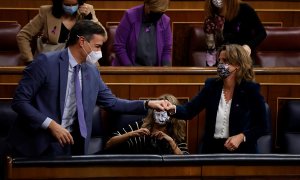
(245, 28)
(41, 93)
(247, 111)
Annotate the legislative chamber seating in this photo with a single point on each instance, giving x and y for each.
(104, 123)
(9, 51)
(265, 142)
(197, 47)
(110, 122)
(280, 48)
(7, 118)
(97, 165)
(108, 49)
(289, 134)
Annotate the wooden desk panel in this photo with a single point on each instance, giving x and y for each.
(273, 172)
(202, 166)
(107, 172)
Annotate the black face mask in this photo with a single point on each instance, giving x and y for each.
(154, 16)
(223, 70)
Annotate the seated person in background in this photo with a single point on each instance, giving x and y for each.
(231, 22)
(156, 134)
(143, 37)
(54, 22)
(235, 109)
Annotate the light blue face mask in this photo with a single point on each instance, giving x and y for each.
(70, 9)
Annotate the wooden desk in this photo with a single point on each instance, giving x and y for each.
(210, 166)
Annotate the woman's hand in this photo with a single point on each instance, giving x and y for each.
(171, 109)
(233, 142)
(115, 140)
(161, 135)
(84, 9)
(160, 105)
(139, 132)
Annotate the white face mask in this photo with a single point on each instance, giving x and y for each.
(93, 56)
(161, 117)
(218, 3)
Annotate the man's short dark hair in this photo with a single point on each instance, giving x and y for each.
(85, 28)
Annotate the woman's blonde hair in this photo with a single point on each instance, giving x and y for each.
(176, 127)
(229, 10)
(237, 55)
(157, 5)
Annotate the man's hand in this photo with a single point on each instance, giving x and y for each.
(62, 135)
(159, 105)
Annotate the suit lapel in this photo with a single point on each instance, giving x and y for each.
(63, 71)
(237, 100)
(238, 96)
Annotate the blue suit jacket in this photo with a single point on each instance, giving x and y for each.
(41, 93)
(247, 113)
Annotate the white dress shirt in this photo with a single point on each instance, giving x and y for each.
(222, 121)
(70, 99)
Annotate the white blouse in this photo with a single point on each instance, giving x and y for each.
(222, 121)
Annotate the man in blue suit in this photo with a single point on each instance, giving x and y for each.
(45, 99)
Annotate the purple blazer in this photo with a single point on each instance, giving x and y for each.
(127, 34)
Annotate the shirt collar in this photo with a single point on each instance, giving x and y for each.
(72, 60)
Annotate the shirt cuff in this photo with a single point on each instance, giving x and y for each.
(46, 123)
